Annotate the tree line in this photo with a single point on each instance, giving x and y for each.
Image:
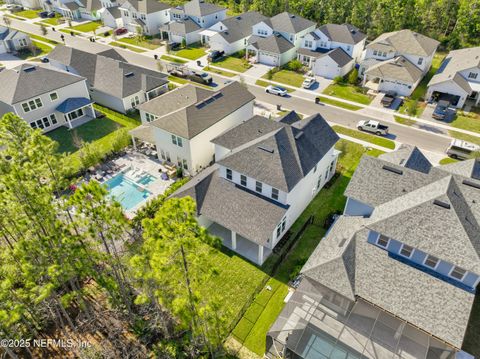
(455, 23)
(73, 266)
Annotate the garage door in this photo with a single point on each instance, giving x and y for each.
(268, 59)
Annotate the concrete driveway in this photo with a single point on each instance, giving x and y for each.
(10, 61)
(255, 72)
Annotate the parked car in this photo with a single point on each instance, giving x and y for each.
(276, 90)
(372, 126)
(44, 60)
(308, 82)
(215, 55)
(16, 8)
(43, 14)
(174, 45)
(461, 150)
(120, 31)
(388, 98)
(441, 110)
(51, 14)
(200, 77)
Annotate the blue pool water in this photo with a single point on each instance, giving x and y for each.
(125, 191)
(147, 179)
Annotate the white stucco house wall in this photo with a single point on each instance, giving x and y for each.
(182, 122)
(13, 40)
(61, 100)
(252, 207)
(457, 79)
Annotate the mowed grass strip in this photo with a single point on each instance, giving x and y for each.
(376, 140)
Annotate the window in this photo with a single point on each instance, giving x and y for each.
(177, 141)
(420, 61)
(44, 122)
(134, 15)
(22, 42)
(53, 96)
(149, 117)
(374, 52)
(382, 241)
(32, 105)
(281, 227)
(134, 101)
(243, 180)
(75, 114)
(406, 251)
(458, 273)
(53, 119)
(185, 165)
(275, 193)
(472, 75)
(431, 261)
(319, 182)
(229, 174)
(167, 154)
(174, 139)
(125, 13)
(143, 17)
(258, 187)
(162, 152)
(179, 161)
(308, 43)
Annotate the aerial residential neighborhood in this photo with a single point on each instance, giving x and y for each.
(241, 179)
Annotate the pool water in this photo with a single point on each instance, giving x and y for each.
(147, 179)
(126, 192)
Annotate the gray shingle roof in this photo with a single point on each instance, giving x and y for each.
(240, 26)
(26, 81)
(275, 44)
(189, 110)
(398, 68)
(91, 5)
(455, 62)
(339, 56)
(248, 214)
(114, 11)
(147, 6)
(116, 78)
(290, 23)
(70, 6)
(404, 210)
(346, 33)
(182, 27)
(406, 42)
(282, 157)
(201, 8)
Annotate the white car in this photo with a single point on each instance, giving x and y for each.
(308, 82)
(462, 150)
(275, 90)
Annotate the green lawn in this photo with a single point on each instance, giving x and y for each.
(266, 83)
(287, 77)
(181, 81)
(125, 46)
(339, 104)
(404, 121)
(348, 92)
(173, 59)
(145, 43)
(377, 140)
(29, 14)
(464, 136)
(87, 27)
(234, 63)
(191, 52)
(447, 160)
(40, 50)
(470, 122)
(41, 38)
(54, 21)
(252, 333)
(88, 132)
(220, 72)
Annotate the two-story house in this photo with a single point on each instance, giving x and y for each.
(182, 122)
(13, 40)
(332, 50)
(45, 98)
(266, 173)
(75, 9)
(112, 82)
(397, 61)
(147, 15)
(275, 41)
(458, 78)
(396, 275)
(231, 35)
(187, 21)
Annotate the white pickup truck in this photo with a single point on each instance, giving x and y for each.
(372, 126)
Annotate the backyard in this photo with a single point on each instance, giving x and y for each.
(191, 52)
(348, 92)
(251, 330)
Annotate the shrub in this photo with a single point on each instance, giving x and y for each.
(270, 74)
(90, 155)
(338, 80)
(294, 65)
(240, 54)
(412, 107)
(179, 172)
(184, 43)
(353, 77)
(121, 140)
(106, 33)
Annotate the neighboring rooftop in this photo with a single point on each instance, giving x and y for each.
(147, 6)
(106, 74)
(290, 23)
(398, 68)
(27, 81)
(405, 42)
(182, 27)
(240, 26)
(200, 8)
(346, 33)
(275, 43)
(189, 110)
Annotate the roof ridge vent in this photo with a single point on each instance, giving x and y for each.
(468, 182)
(392, 169)
(266, 149)
(298, 135)
(441, 204)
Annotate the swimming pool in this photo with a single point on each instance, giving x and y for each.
(146, 179)
(126, 192)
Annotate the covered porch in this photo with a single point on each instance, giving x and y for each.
(252, 251)
(76, 111)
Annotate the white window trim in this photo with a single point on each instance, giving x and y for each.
(464, 274)
(400, 251)
(50, 96)
(436, 265)
(378, 238)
